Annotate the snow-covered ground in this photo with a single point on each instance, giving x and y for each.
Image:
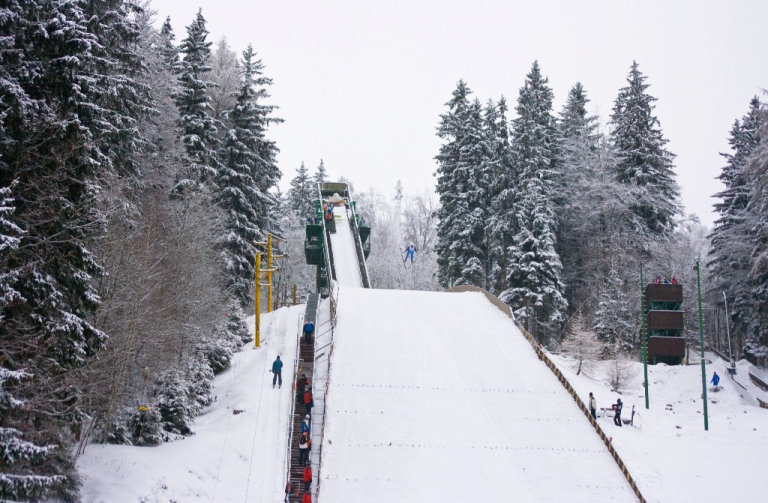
(667, 451)
(438, 397)
(468, 409)
(344, 251)
(232, 457)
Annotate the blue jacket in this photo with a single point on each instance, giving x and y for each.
(277, 366)
(715, 379)
(305, 426)
(309, 327)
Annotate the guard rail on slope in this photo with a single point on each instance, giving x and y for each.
(359, 247)
(543, 357)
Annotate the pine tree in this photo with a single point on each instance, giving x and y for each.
(302, 194)
(644, 163)
(243, 183)
(66, 76)
(167, 48)
(199, 128)
(534, 287)
(320, 175)
(731, 246)
(452, 131)
(501, 195)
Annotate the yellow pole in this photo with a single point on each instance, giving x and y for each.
(294, 294)
(257, 269)
(269, 273)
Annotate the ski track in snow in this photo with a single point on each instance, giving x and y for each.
(345, 252)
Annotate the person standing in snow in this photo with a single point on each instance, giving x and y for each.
(306, 477)
(592, 405)
(715, 379)
(304, 442)
(277, 369)
(409, 253)
(309, 329)
(617, 412)
(306, 425)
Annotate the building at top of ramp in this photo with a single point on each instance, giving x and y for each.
(438, 397)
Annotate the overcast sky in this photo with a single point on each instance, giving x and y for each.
(361, 83)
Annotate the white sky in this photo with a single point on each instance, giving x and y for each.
(361, 83)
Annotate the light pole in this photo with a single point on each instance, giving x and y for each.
(701, 340)
(727, 329)
(643, 335)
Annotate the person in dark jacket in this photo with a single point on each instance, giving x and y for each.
(617, 412)
(309, 330)
(301, 387)
(277, 369)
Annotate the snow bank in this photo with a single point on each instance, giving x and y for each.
(231, 457)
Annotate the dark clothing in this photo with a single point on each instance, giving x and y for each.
(593, 412)
(304, 447)
(277, 378)
(277, 365)
(617, 415)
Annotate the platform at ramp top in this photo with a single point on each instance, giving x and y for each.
(437, 397)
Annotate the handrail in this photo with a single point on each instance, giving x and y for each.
(326, 247)
(359, 247)
(289, 443)
(333, 301)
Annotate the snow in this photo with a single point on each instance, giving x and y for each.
(344, 251)
(232, 457)
(667, 451)
(428, 403)
(438, 397)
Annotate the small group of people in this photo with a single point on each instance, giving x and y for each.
(304, 393)
(328, 210)
(616, 409)
(658, 281)
(306, 481)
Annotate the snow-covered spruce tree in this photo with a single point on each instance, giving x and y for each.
(534, 288)
(644, 162)
(320, 174)
(198, 126)
(464, 171)
(755, 314)
(247, 172)
(731, 247)
(167, 47)
(302, 194)
(66, 77)
(501, 194)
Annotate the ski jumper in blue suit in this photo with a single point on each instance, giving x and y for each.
(409, 253)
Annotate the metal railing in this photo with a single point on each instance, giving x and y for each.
(289, 441)
(359, 247)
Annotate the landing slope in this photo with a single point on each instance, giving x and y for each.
(437, 397)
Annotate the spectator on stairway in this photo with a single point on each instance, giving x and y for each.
(288, 489)
(301, 387)
(309, 330)
(304, 442)
(277, 369)
(617, 412)
(592, 405)
(308, 400)
(657, 280)
(307, 498)
(674, 280)
(307, 478)
(306, 424)
(715, 379)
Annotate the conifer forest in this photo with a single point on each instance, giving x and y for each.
(137, 171)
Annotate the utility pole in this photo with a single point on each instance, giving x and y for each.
(701, 340)
(643, 334)
(257, 279)
(257, 322)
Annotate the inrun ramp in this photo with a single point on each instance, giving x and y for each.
(345, 261)
(437, 397)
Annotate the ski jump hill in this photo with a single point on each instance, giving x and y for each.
(438, 396)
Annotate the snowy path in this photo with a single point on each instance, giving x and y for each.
(437, 397)
(345, 260)
(231, 458)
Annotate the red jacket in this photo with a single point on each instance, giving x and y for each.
(307, 474)
(307, 397)
(307, 498)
